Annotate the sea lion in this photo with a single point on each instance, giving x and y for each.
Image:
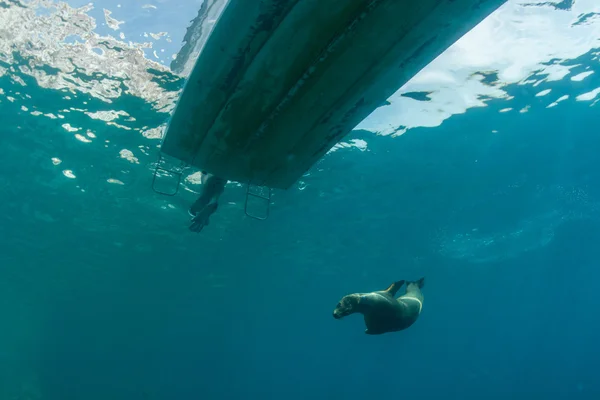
(382, 312)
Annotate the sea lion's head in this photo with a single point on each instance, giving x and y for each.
(347, 305)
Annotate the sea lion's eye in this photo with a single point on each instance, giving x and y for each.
(339, 304)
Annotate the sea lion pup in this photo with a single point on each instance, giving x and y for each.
(383, 313)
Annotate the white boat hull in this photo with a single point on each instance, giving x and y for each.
(278, 83)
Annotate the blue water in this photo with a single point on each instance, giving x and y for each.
(105, 294)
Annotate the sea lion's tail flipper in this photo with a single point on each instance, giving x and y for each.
(420, 283)
(394, 287)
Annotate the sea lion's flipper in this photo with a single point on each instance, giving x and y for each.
(420, 283)
(394, 287)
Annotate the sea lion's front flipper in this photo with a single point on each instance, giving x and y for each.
(394, 287)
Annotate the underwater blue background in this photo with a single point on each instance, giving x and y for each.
(105, 294)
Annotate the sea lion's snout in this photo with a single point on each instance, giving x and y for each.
(346, 306)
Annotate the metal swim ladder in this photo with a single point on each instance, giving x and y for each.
(177, 171)
(266, 199)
